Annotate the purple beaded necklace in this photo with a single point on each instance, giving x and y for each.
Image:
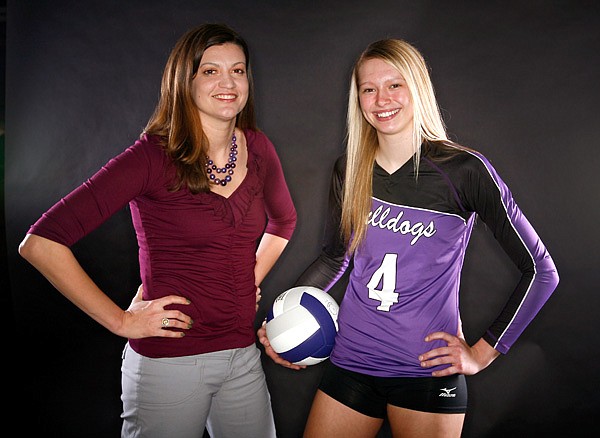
(228, 169)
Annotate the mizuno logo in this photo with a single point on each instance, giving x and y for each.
(446, 392)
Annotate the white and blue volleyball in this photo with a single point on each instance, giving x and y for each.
(302, 324)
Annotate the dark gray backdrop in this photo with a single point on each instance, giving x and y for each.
(516, 81)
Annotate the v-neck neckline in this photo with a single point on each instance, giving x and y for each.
(402, 170)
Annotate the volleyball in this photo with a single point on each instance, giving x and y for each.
(302, 324)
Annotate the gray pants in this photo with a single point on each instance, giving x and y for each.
(224, 391)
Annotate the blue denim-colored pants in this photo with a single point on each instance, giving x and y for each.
(224, 391)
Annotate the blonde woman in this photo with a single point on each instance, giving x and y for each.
(403, 202)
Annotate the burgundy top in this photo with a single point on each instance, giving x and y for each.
(202, 246)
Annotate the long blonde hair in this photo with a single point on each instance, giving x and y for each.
(176, 120)
(362, 140)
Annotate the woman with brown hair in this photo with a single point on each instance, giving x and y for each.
(212, 214)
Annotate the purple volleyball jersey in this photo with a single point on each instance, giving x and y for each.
(405, 276)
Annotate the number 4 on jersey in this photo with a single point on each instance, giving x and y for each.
(385, 276)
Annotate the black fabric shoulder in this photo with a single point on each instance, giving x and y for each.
(340, 164)
(441, 151)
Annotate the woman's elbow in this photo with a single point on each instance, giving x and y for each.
(31, 248)
(26, 247)
(555, 278)
(553, 272)
(549, 276)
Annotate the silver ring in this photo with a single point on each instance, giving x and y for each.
(165, 322)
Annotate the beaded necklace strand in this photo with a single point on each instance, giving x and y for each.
(212, 169)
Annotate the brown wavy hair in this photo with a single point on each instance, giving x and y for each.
(176, 120)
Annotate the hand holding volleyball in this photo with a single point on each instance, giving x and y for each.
(302, 324)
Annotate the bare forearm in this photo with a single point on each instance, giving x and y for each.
(60, 267)
(267, 254)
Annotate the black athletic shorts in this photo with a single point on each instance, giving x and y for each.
(370, 395)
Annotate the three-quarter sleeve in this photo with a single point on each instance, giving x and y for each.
(281, 213)
(97, 199)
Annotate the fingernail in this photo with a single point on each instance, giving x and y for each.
(190, 325)
(188, 301)
(182, 334)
